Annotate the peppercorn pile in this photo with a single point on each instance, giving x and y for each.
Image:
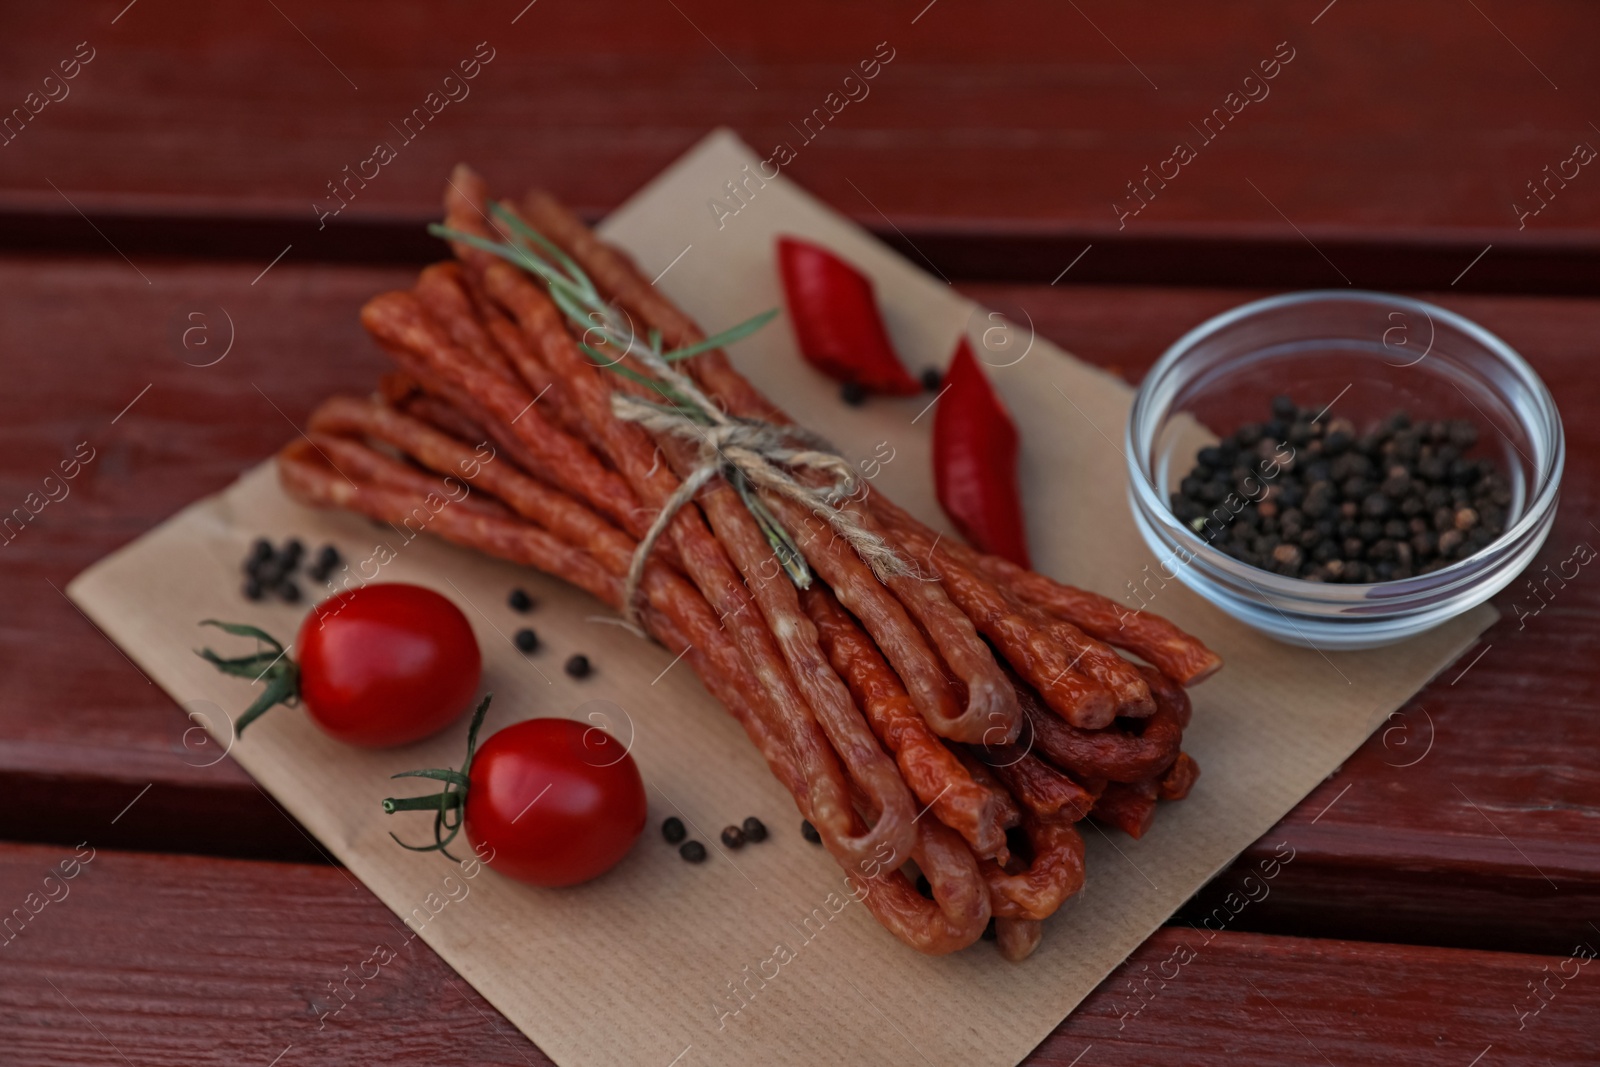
(272, 570)
(1319, 500)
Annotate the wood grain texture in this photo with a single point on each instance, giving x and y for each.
(82, 731)
(998, 139)
(153, 959)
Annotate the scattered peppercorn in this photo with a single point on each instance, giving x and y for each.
(693, 851)
(520, 601)
(932, 378)
(327, 559)
(288, 592)
(755, 829)
(578, 666)
(672, 829)
(853, 393)
(809, 832)
(528, 641)
(261, 550)
(252, 589)
(293, 550)
(733, 837)
(1318, 499)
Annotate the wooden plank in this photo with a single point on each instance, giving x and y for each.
(167, 959)
(999, 139)
(86, 338)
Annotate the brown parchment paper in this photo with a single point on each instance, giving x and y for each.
(758, 956)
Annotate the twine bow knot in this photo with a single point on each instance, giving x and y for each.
(753, 456)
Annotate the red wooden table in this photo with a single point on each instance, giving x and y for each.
(1442, 880)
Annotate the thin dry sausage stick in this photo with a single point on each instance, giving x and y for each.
(355, 460)
(1150, 637)
(633, 453)
(397, 388)
(1113, 753)
(739, 694)
(1128, 806)
(1176, 781)
(991, 714)
(932, 772)
(1007, 812)
(1017, 938)
(959, 910)
(1021, 635)
(876, 608)
(440, 291)
(1094, 658)
(307, 477)
(1053, 875)
(616, 275)
(465, 198)
(445, 291)
(1041, 789)
(779, 604)
(442, 416)
(452, 409)
(399, 319)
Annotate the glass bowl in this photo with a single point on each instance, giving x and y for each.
(1364, 355)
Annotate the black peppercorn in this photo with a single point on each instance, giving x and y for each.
(519, 600)
(252, 589)
(288, 592)
(754, 829)
(853, 393)
(932, 378)
(693, 851)
(672, 829)
(809, 832)
(578, 666)
(526, 640)
(732, 837)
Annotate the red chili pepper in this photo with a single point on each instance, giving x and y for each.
(836, 320)
(975, 462)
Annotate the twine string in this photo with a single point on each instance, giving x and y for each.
(762, 455)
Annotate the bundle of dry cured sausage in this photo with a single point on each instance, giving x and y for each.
(992, 698)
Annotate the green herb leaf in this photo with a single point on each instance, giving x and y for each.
(723, 339)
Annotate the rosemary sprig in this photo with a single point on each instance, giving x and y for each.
(575, 294)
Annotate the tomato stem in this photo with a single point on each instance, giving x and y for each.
(449, 803)
(272, 664)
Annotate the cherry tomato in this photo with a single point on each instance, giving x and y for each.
(387, 664)
(554, 802)
(380, 665)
